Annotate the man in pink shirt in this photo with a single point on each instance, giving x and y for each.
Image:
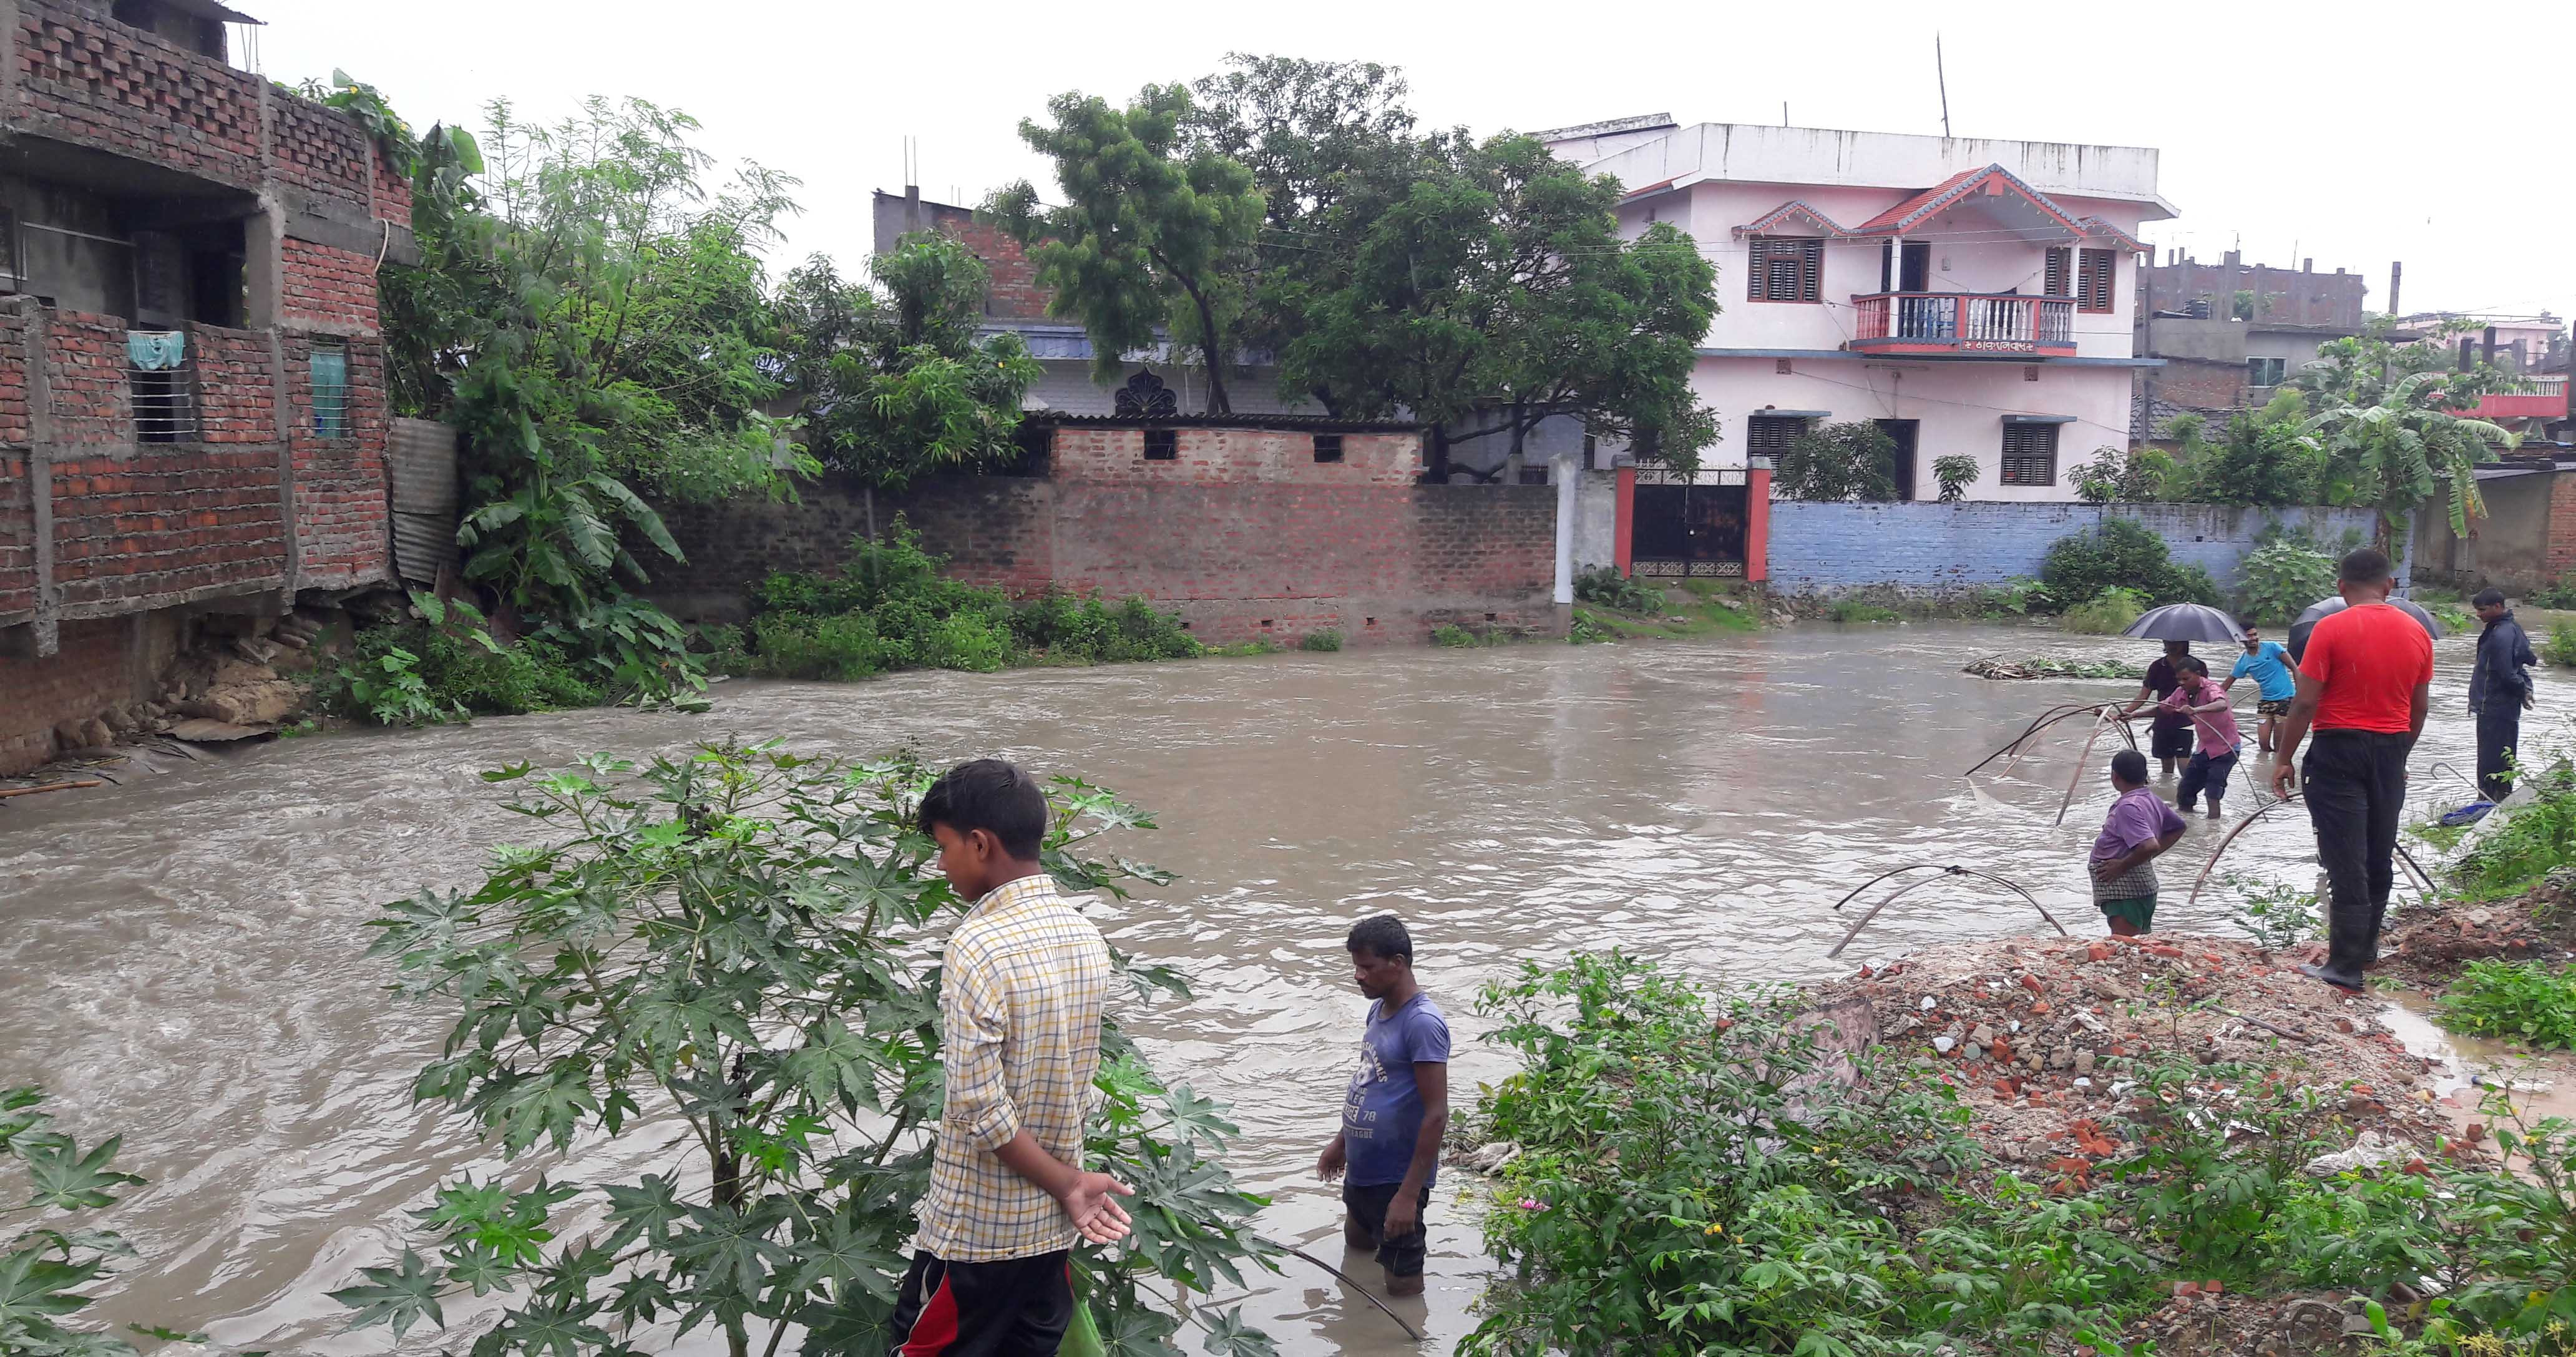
(2213, 724)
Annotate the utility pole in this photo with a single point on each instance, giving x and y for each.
(2396, 275)
(1941, 70)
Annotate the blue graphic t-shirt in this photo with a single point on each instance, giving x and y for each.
(1383, 1115)
(2269, 668)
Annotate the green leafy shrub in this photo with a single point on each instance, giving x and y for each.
(2535, 839)
(2017, 597)
(2120, 553)
(1859, 610)
(2452, 616)
(1605, 586)
(2279, 579)
(2107, 613)
(1955, 473)
(843, 649)
(2276, 917)
(44, 1268)
(2561, 650)
(2559, 593)
(1848, 461)
(1453, 635)
(2122, 476)
(1327, 639)
(742, 944)
(445, 666)
(2520, 1001)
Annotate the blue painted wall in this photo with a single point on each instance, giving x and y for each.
(1924, 548)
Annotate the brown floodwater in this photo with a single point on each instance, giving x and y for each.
(182, 954)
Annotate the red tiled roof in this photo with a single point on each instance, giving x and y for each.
(1903, 217)
(1634, 194)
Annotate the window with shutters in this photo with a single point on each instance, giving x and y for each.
(1787, 270)
(2265, 371)
(1767, 436)
(2061, 272)
(2093, 283)
(2030, 454)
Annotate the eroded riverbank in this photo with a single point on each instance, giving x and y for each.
(183, 961)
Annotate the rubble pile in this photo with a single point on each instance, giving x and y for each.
(237, 679)
(2027, 1029)
(2427, 943)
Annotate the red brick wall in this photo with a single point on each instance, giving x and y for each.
(161, 521)
(342, 516)
(86, 78)
(2202, 386)
(1014, 292)
(17, 540)
(85, 378)
(1380, 562)
(92, 672)
(14, 430)
(1234, 456)
(320, 150)
(236, 398)
(320, 283)
(2558, 555)
(393, 192)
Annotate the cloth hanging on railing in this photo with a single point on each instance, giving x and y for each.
(154, 350)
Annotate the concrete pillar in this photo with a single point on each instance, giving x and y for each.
(1560, 471)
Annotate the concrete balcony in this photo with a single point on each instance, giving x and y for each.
(1963, 325)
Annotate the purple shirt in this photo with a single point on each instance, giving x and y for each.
(2139, 817)
(1382, 1117)
(2216, 729)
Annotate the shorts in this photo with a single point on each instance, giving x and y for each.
(1401, 1256)
(2272, 706)
(2176, 743)
(1013, 1307)
(2140, 911)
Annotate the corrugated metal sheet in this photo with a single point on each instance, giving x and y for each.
(421, 457)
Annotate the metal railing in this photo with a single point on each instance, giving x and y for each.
(1965, 318)
(165, 403)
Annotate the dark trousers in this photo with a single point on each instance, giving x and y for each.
(1402, 1255)
(1016, 1307)
(2499, 730)
(2205, 772)
(2355, 785)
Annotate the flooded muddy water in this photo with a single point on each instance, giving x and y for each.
(182, 955)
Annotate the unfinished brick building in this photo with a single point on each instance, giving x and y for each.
(192, 400)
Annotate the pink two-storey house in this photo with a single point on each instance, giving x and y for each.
(1974, 297)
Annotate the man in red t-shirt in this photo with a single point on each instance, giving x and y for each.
(2364, 685)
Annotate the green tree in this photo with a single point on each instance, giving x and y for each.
(2123, 476)
(592, 315)
(1149, 235)
(2396, 451)
(733, 954)
(2262, 458)
(1497, 294)
(890, 378)
(1854, 460)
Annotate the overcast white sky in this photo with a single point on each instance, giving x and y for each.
(2306, 129)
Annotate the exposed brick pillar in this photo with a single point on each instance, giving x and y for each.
(2559, 551)
(1757, 524)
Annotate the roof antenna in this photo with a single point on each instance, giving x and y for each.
(1784, 113)
(1941, 70)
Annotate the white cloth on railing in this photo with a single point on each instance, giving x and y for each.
(154, 350)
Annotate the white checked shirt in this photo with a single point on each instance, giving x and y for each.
(1022, 984)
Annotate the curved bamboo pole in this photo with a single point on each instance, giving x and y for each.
(2026, 732)
(1892, 871)
(2069, 799)
(2212, 865)
(1864, 920)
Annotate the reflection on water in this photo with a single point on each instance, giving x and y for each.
(182, 965)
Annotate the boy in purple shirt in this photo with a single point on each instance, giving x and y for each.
(1397, 1110)
(2139, 827)
(2213, 723)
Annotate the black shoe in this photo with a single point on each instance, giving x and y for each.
(2321, 973)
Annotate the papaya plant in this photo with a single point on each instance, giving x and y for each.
(738, 949)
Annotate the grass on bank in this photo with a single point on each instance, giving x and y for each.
(1609, 606)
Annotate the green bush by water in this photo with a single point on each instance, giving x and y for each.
(2107, 613)
(2279, 579)
(1605, 586)
(1856, 610)
(2558, 593)
(445, 666)
(2121, 554)
(2520, 1001)
(2561, 650)
(1327, 639)
(890, 608)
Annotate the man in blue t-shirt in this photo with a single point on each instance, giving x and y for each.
(1397, 1111)
(2274, 685)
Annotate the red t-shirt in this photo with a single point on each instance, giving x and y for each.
(2370, 658)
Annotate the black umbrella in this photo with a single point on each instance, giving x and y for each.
(2185, 622)
(2328, 607)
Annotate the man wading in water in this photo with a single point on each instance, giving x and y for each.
(2169, 736)
(2139, 827)
(1397, 1111)
(2365, 683)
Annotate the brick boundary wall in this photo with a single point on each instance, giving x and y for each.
(93, 669)
(1383, 564)
(1936, 549)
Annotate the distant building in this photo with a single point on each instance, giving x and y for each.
(1970, 297)
(2513, 343)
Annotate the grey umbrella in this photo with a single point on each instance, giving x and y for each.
(2328, 607)
(2185, 622)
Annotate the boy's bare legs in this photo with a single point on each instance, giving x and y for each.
(1356, 1235)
